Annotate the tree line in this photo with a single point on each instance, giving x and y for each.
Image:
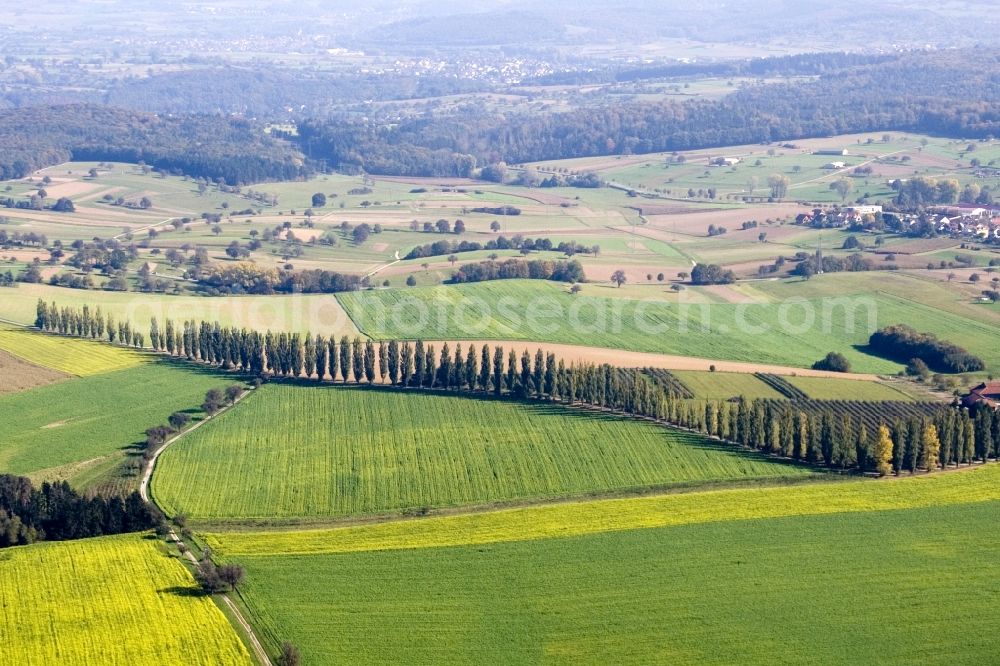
(55, 512)
(516, 242)
(533, 269)
(799, 430)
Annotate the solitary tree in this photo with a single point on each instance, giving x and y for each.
(618, 277)
(843, 187)
(779, 185)
(232, 575)
(289, 655)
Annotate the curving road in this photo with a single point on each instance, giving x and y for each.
(255, 644)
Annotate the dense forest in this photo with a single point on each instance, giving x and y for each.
(935, 93)
(235, 151)
(923, 92)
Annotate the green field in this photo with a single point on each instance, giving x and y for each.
(823, 388)
(65, 429)
(740, 576)
(315, 312)
(113, 600)
(69, 355)
(786, 332)
(311, 452)
(725, 385)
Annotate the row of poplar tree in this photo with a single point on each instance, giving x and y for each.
(952, 436)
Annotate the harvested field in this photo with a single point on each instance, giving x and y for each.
(919, 245)
(18, 375)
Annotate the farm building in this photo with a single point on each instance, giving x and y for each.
(725, 161)
(832, 151)
(987, 393)
(834, 165)
(865, 210)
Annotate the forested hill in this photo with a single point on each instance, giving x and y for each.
(943, 94)
(215, 147)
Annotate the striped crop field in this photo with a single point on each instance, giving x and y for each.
(743, 576)
(112, 600)
(614, 515)
(321, 451)
(70, 355)
(827, 388)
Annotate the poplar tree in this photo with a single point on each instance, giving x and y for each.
(524, 384)
(309, 356)
(383, 361)
(913, 440)
(498, 370)
(345, 358)
(393, 360)
(931, 447)
(321, 354)
(369, 361)
(458, 369)
(550, 375)
(333, 357)
(169, 333)
(405, 366)
(538, 376)
(444, 367)
(471, 368)
(882, 451)
(419, 359)
(485, 369)
(430, 369)
(357, 360)
(511, 379)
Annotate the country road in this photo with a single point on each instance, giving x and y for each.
(147, 475)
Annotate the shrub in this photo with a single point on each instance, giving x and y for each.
(833, 362)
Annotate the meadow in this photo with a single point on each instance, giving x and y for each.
(715, 580)
(65, 429)
(119, 601)
(545, 312)
(725, 385)
(318, 452)
(70, 355)
(822, 388)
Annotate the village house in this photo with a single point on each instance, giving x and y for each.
(987, 393)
